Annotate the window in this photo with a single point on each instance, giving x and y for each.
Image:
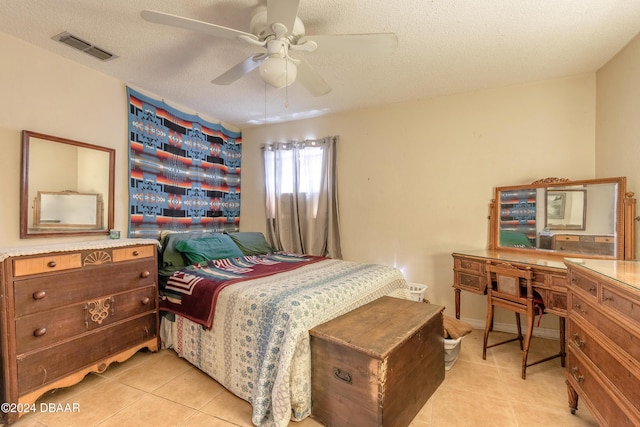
(293, 170)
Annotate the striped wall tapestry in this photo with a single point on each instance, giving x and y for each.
(184, 172)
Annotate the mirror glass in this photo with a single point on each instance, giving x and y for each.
(573, 217)
(67, 187)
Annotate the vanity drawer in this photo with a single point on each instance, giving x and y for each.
(590, 386)
(42, 293)
(585, 283)
(558, 282)
(471, 282)
(46, 264)
(43, 329)
(468, 265)
(567, 237)
(557, 300)
(38, 369)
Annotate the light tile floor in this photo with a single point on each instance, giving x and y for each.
(160, 389)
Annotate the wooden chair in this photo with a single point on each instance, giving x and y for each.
(511, 288)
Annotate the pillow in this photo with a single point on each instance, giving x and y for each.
(170, 259)
(251, 242)
(216, 246)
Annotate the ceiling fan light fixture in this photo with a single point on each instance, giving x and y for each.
(278, 71)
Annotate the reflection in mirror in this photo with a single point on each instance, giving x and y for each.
(67, 187)
(68, 210)
(556, 217)
(566, 209)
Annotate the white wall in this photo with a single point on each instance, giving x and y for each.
(618, 118)
(46, 93)
(415, 179)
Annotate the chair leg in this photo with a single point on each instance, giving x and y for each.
(487, 328)
(563, 343)
(519, 327)
(527, 342)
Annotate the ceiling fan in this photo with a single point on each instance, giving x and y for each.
(278, 31)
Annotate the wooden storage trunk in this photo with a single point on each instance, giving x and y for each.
(378, 364)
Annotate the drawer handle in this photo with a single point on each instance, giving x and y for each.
(607, 298)
(578, 341)
(39, 332)
(145, 300)
(145, 274)
(136, 253)
(39, 295)
(574, 373)
(52, 264)
(344, 377)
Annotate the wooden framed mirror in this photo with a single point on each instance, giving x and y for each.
(67, 187)
(588, 218)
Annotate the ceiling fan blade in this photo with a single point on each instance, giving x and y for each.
(375, 43)
(310, 78)
(239, 70)
(194, 25)
(282, 12)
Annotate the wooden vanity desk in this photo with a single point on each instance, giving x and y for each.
(550, 275)
(592, 218)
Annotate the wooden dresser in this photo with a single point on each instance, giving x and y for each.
(603, 361)
(68, 310)
(587, 244)
(378, 364)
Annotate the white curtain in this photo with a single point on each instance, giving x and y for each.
(301, 196)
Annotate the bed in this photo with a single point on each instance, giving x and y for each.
(241, 313)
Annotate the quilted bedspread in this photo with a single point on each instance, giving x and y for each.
(259, 347)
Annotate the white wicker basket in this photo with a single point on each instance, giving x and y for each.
(417, 291)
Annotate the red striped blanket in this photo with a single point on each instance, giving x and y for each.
(193, 291)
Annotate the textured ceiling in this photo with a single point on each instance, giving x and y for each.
(444, 47)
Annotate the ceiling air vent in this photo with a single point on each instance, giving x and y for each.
(88, 48)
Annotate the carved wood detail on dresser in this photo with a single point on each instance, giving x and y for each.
(67, 313)
(603, 339)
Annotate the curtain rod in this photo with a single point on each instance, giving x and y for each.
(335, 140)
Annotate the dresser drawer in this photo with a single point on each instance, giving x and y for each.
(626, 339)
(590, 386)
(38, 369)
(624, 380)
(131, 253)
(44, 329)
(46, 264)
(585, 283)
(623, 304)
(46, 292)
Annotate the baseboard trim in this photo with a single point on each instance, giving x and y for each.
(511, 328)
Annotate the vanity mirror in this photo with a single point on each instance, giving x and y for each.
(589, 218)
(67, 187)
